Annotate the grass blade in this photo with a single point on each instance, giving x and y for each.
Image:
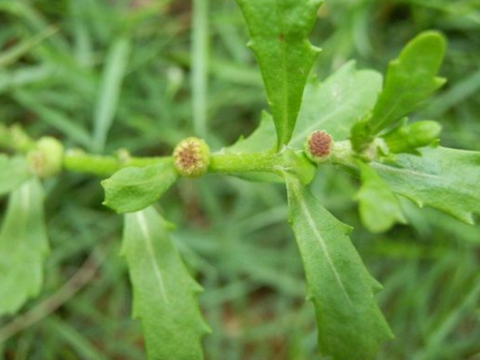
(107, 102)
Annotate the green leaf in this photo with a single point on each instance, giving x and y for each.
(262, 139)
(298, 165)
(337, 103)
(279, 38)
(411, 78)
(442, 178)
(164, 293)
(23, 247)
(350, 324)
(333, 106)
(379, 206)
(132, 189)
(13, 172)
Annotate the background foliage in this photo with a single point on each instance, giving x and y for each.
(106, 75)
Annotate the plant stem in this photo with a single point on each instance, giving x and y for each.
(78, 161)
(244, 163)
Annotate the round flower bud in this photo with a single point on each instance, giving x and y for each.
(409, 137)
(46, 159)
(423, 133)
(191, 157)
(318, 147)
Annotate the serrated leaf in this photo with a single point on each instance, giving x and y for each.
(132, 189)
(350, 324)
(13, 172)
(164, 293)
(337, 103)
(410, 79)
(378, 205)
(23, 247)
(279, 38)
(442, 178)
(333, 106)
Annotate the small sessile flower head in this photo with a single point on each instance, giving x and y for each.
(45, 160)
(407, 138)
(191, 157)
(318, 147)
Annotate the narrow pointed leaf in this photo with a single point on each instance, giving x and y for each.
(279, 38)
(132, 189)
(442, 178)
(378, 205)
(23, 247)
(13, 172)
(410, 79)
(164, 293)
(350, 324)
(337, 103)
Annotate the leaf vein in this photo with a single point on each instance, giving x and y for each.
(311, 222)
(149, 247)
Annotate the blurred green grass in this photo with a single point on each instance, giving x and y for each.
(136, 74)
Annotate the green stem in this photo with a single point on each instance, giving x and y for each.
(78, 161)
(245, 163)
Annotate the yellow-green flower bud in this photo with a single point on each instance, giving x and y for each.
(47, 157)
(191, 157)
(318, 147)
(20, 139)
(408, 138)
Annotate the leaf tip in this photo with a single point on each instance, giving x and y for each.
(467, 218)
(105, 183)
(432, 38)
(317, 50)
(440, 81)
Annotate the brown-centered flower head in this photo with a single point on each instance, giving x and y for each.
(191, 157)
(318, 146)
